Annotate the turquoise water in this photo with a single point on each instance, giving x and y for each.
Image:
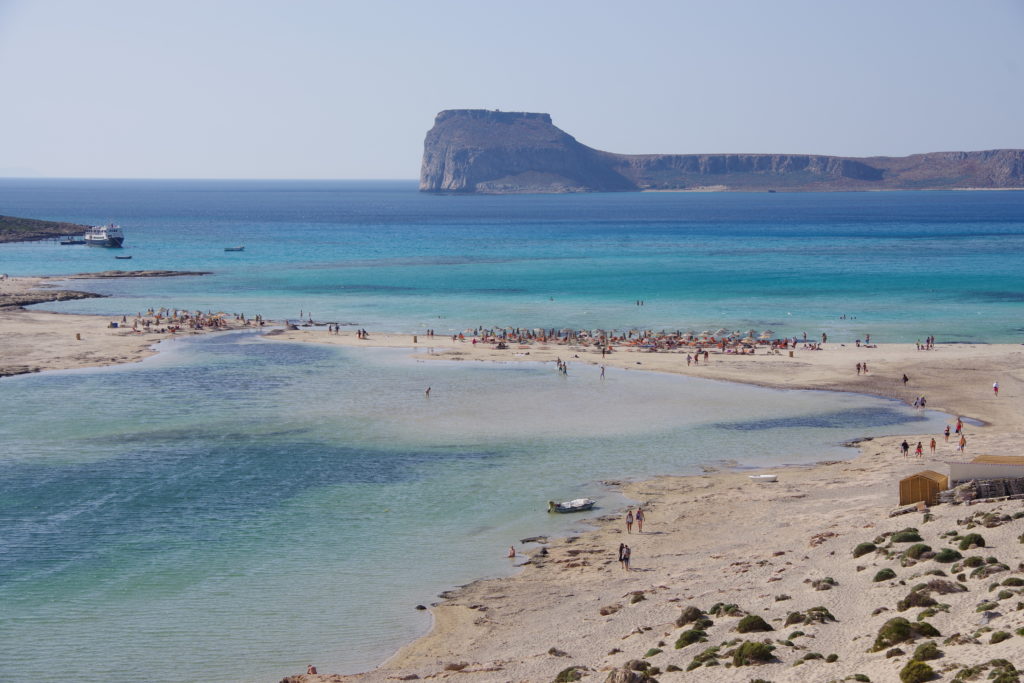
(234, 508)
(899, 266)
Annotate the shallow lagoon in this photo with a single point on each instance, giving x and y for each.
(233, 508)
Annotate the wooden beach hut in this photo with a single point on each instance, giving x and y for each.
(922, 486)
(988, 467)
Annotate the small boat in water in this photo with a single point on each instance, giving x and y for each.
(577, 505)
(104, 236)
(767, 478)
(68, 240)
(123, 257)
(234, 248)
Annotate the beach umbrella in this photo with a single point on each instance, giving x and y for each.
(766, 334)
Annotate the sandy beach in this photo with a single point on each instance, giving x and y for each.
(768, 549)
(773, 550)
(33, 341)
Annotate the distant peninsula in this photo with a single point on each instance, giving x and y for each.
(496, 152)
(14, 229)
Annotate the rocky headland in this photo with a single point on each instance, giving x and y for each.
(13, 229)
(496, 152)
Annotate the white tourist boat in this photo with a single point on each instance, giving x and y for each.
(109, 235)
(577, 505)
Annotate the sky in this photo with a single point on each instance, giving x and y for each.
(343, 89)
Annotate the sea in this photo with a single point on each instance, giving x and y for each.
(233, 509)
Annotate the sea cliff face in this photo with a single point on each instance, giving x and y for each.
(481, 151)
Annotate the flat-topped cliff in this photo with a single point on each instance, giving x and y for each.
(481, 151)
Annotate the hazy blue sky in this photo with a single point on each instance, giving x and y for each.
(336, 89)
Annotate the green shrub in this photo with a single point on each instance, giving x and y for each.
(998, 637)
(916, 672)
(1004, 594)
(927, 650)
(915, 598)
(947, 555)
(690, 637)
(974, 561)
(689, 614)
(894, 652)
(568, 674)
(794, 618)
(864, 549)
(751, 623)
(908, 535)
(752, 652)
(884, 575)
(721, 609)
(899, 630)
(988, 570)
(917, 550)
(653, 651)
(672, 667)
(832, 658)
(1013, 581)
(971, 539)
(860, 678)
(709, 657)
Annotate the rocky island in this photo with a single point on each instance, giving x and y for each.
(497, 152)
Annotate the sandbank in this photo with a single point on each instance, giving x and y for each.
(33, 341)
(723, 538)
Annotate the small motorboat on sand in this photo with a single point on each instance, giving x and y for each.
(577, 505)
(765, 478)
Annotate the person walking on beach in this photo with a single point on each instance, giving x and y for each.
(963, 443)
(932, 446)
(639, 520)
(624, 555)
(946, 433)
(858, 368)
(602, 372)
(629, 521)
(959, 425)
(919, 451)
(905, 379)
(995, 388)
(905, 448)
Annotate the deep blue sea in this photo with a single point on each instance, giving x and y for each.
(233, 509)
